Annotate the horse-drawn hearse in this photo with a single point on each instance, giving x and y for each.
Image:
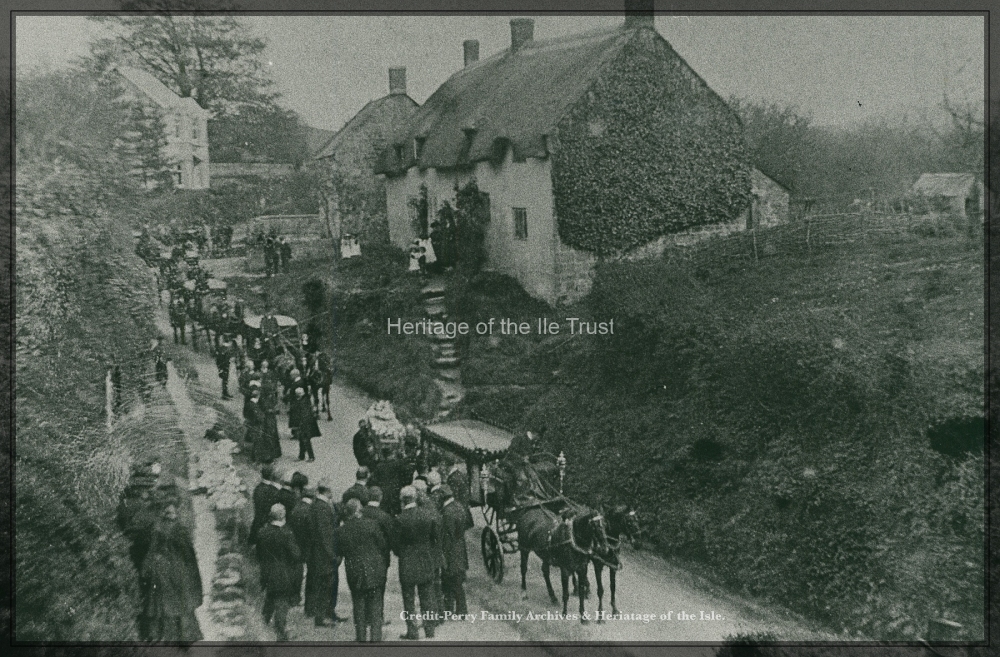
(519, 489)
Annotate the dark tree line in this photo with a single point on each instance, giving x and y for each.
(876, 157)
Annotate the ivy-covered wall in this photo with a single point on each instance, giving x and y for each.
(648, 150)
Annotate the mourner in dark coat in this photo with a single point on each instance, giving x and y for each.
(385, 522)
(171, 583)
(417, 536)
(391, 474)
(323, 562)
(364, 450)
(161, 369)
(286, 495)
(298, 522)
(362, 544)
(458, 481)
(435, 500)
(268, 385)
(455, 522)
(178, 320)
(269, 327)
(285, 252)
(359, 490)
(280, 561)
(262, 431)
(265, 495)
(223, 360)
(303, 424)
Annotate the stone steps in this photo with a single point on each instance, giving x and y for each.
(446, 358)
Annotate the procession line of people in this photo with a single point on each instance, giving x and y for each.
(302, 535)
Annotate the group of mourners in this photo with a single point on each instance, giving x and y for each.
(271, 373)
(277, 252)
(302, 535)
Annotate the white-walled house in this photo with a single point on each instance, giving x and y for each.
(186, 126)
(576, 141)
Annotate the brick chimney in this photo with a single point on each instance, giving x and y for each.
(638, 13)
(522, 31)
(471, 51)
(397, 80)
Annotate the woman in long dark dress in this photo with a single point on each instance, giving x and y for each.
(262, 430)
(171, 583)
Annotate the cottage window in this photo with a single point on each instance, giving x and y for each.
(194, 131)
(521, 223)
(418, 147)
(177, 174)
(399, 153)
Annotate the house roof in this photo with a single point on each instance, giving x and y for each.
(157, 91)
(961, 185)
(516, 96)
(367, 120)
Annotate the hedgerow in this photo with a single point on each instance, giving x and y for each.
(769, 422)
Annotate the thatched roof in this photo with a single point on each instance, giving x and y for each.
(376, 118)
(961, 185)
(514, 98)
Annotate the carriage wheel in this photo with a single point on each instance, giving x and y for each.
(492, 554)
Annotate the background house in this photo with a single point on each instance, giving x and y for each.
(352, 196)
(186, 126)
(960, 194)
(588, 146)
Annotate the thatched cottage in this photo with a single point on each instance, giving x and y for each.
(588, 146)
(960, 194)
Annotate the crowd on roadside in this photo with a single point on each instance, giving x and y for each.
(303, 534)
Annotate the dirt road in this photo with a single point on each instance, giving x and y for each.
(651, 590)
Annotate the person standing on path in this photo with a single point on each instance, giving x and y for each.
(385, 522)
(280, 559)
(265, 495)
(455, 522)
(362, 545)
(298, 522)
(323, 562)
(359, 490)
(171, 582)
(223, 362)
(417, 534)
(302, 422)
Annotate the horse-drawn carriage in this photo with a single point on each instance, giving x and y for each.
(287, 334)
(520, 492)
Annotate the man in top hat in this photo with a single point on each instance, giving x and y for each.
(359, 490)
(362, 544)
(417, 536)
(455, 522)
(280, 560)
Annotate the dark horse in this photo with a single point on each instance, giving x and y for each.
(568, 543)
(619, 521)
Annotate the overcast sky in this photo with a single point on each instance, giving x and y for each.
(839, 69)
